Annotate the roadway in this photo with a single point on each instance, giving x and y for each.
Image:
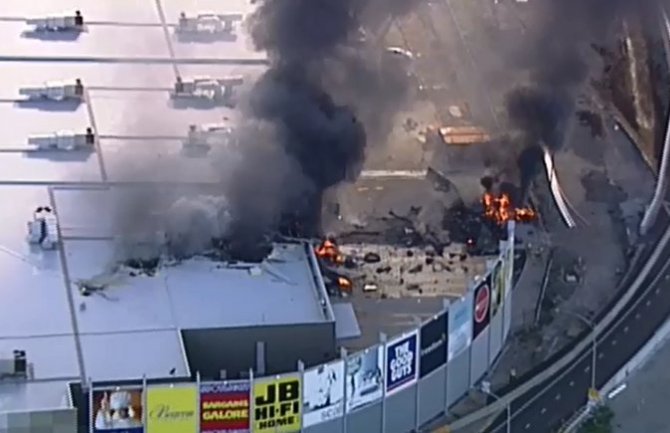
(546, 406)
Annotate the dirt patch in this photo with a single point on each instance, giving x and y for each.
(627, 84)
(593, 121)
(600, 189)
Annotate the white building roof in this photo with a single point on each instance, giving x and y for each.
(137, 332)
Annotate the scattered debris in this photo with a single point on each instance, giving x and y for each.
(592, 120)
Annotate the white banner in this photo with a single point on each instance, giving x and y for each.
(460, 326)
(323, 393)
(365, 377)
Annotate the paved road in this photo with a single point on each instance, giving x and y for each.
(543, 408)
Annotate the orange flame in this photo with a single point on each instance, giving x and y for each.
(344, 284)
(500, 210)
(328, 251)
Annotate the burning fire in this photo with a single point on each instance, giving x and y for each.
(328, 251)
(500, 209)
(344, 284)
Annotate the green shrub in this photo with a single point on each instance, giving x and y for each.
(600, 421)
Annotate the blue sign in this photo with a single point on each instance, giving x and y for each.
(401, 363)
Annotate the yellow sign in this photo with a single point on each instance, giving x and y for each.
(277, 405)
(594, 395)
(172, 409)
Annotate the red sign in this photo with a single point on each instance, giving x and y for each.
(482, 303)
(224, 407)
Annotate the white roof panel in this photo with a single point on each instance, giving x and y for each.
(50, 357)
(123, 355)
(132, 12)
(98, 41)
(30, 395)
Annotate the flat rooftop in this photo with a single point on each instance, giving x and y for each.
(124, 61)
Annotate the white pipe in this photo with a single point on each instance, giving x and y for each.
(659, 192)
(556, 192)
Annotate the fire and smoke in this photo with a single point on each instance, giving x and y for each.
(500, 203)
(558, 66)
(305, 126)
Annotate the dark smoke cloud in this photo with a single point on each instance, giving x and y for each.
(556, 56)
(322, 95)
(326, 140)
(305, 127)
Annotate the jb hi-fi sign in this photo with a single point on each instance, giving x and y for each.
(277, 406)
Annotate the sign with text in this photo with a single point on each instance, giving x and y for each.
(433, 344)
(277, 404)
(117, 410)
(224, 407)
(401, 362)
(323, 393)
(172, 409)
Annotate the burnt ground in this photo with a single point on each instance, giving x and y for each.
(600, 170)
(462, 76)
(635, 80)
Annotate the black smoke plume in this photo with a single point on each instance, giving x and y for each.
(304, 128)
(556, 56)
(320, 125)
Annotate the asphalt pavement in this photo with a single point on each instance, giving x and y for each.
(546, 406)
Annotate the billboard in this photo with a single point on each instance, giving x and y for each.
(498, 281)
(117, 410)
(481, 307)
(433, 344)
(224, 407)
(323, 393)
(277, 404)
(460, 326)
(365, 377)
(402, 362)
(172, 409)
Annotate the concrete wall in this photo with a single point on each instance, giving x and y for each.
(234, 349)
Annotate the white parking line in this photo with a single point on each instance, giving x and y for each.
(587, 369)
(572, 383)
(648, 303)
(613, 342)
(600, 355)
(625, 329)
(527, 426)
(657, 291)
(544, 409)
(558, 396)
(637, 316)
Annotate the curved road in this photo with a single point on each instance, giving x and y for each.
(544, 407)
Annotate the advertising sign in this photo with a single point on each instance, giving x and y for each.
(323, 393)
(460, 326)
(224, 407)
(172, 409)
(365, 377)
(497, 284)
(277, 404)
(402, 365)
(117, 410)
(433, 344)
(481, 308)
